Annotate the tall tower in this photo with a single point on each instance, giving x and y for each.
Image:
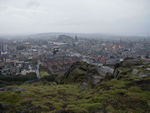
(76, 38)
(3, 47)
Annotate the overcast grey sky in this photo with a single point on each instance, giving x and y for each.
(123, 17)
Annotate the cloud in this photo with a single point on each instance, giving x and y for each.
(129, 17)
(33, 4)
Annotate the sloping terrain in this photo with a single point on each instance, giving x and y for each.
(84, 89)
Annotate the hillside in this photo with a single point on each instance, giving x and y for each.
(85, 88)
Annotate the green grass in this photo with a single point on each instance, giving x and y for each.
(43, 73)
(42, 97)
(115, 84)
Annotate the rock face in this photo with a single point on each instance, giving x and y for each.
(84, 85)
(96, 79)
(130, 62)
(4, 108)
(148, 69)
(135, 71)
(104, 70)
(141, 74)
(86, 73)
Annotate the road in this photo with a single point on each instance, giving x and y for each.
(38, 69)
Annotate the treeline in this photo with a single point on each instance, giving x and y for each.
(19, 78)
(50, 78)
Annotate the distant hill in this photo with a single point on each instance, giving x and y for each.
(65, 39)
(54, 35)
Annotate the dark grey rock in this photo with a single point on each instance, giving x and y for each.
(2, 89)
(147, 69)
(135, 71)
(143, 75)
(130, 62)
(4, 107)
(84, 85)
(136, 80)
(140, 66)
(104, 70)
(96, 79)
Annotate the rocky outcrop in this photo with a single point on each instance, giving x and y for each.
(141, 74)
(91, 75)
(130, 62)
(132, 67)
(85, 73)
(135, 71)
(105, 70)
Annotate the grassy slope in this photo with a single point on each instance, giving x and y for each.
(115, 96)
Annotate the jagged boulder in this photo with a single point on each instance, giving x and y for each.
(84, 85)
(130, 62)
(105, 70)
(147, 69)
(141, 74)
(134, 71)
(96, 79)
(86, 73)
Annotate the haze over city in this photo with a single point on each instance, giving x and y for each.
(119, 17)
(74, 56)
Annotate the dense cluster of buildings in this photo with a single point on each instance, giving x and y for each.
(19, 57)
